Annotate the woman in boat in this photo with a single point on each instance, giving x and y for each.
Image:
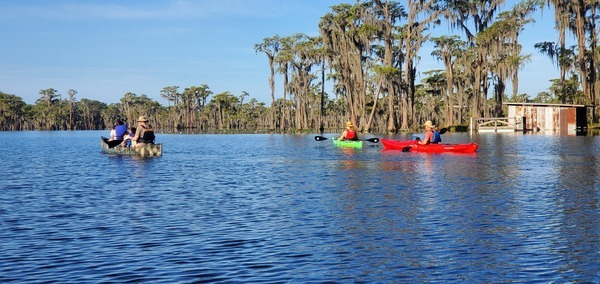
(429, 133)
(349, 133)
(144, 133)
(118, 132)
(113, 134)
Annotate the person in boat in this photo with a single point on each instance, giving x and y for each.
(118, 132)
(429, 133)
(113, 134)
(144, 134)
(349, 133)
(127, 142)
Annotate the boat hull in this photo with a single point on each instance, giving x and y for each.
(150, 150)
(347, 143)
(390, 144)
(413, 145)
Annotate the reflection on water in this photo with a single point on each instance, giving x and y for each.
(286, 208)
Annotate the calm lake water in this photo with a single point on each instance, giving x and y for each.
(285, 208)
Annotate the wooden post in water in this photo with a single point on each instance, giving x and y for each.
(471, 126)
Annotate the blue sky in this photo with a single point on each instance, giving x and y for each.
(104, 49)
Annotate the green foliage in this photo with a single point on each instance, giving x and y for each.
(567, 91)
(520, 98)
(368, 51)
(12, 112)
(544, 97)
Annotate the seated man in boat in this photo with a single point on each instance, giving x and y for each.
(429, 134)
(437, 136)
(349, 133)
(118, 132)
(144, 133)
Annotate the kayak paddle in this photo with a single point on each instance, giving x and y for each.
(372, 140)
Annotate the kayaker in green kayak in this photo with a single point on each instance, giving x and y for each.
(349, 133)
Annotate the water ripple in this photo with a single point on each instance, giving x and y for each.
(284, 208)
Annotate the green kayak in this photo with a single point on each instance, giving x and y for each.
(347, 143)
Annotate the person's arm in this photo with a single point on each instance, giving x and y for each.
(133, 138)
(343, 136)
(138, 133)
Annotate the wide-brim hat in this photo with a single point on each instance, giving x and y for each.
(429, 124)
(349, 124)
(142, 119)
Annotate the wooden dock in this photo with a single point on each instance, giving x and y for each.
(496, 124)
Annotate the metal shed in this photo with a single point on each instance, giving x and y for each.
(564, 119)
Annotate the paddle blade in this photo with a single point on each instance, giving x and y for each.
(443, 130)
(373, 140)
(406, 149)
(320, 138)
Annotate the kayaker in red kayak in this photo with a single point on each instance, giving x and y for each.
(429, 128)
(349, 133)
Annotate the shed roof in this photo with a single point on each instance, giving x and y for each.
(544, 104)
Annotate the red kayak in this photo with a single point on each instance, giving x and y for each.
(413, 145)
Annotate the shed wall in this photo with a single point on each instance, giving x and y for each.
(546, 118)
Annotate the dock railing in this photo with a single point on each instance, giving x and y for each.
(496, 124)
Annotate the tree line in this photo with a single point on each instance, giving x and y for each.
(369, 52)
(190, 112)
